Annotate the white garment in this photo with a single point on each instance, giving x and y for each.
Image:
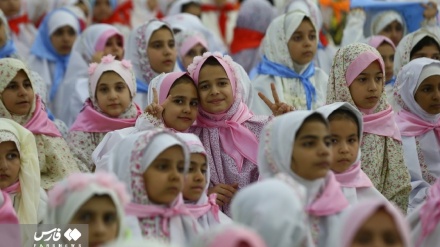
(42, 206)
(211, 20)
(141, 13)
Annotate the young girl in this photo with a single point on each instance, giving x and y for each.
(255, 207)
(185, 6)
(189, 45)
(109, 107)
(51, 49)
(151, 49)
(154, 170)
(298, 144)
(346, 127)
(424, 221)
(7, 46)
(20, 173)
(95, 42)
(289, 47)
(113, 12)
(372, 223)
(227, 128)
(17, 86)
(97, 200)
(417, 97)
(357, 77)
(195, 187)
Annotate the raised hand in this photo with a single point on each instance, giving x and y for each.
(430, 10)
(96, 58)
(278, 107)
(155, 109)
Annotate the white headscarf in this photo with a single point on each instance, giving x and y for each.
(383, 19)
(176, 6)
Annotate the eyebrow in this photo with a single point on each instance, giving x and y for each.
(308, 137)
(13, 150)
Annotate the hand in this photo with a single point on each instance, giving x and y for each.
(224, 192)
(96, 58)
(278, 107)
(155, 109)
(430, 10)
(152, 5)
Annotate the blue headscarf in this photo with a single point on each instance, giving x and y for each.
(43, 49)
(141, 86)
(113, 3)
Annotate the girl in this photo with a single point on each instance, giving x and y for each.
(151, 49)
(195, 188)
(227, 128)
(17, 86)
(289, 48)
(112, 12)
(19, 172)
(346, 131)
(154, 170)
(95, 42)
(109, 107)
(255, 206)
(189, 45)
(10, 228)
(357, 77)
(372, 223)
(298, 144)
(7, 46)
(185, 6)
(417, 97)
(97, 200)
(386, 49)
(51, 49)
(424, 221)
(253, 19)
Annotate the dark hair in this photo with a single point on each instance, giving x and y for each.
(183, 80)
(342, 114)
(426, 41)
(187, 6)
(211, 61)
(315, 117)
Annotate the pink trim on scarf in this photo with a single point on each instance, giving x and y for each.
(190, 43)
(360, 63)
(430, 212)
(233, 236)
(330, 201)
(102, 40)
(167, 83)
(90, 120)
(383, 124)
(13, 188)
(147, 211)
(378, 40)
(412, 125)
(40, 124)
(7, 211)
(211, 205)
(354, 177)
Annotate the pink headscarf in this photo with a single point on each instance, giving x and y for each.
(377, 40)
(9, 226)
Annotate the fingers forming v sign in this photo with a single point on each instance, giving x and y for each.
(155, 108)
(277, 107)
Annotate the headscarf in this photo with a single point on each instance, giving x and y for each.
(259, 207)
(36, 120)
(137, 52)
(9, 225)
(69, 195)
(185, 41)
(44, 50)
(376, 41)
(9, 48)
(383, 19)
(176, 6)
(382, 155)
(28, 185)
(414, 122)
(130, 166)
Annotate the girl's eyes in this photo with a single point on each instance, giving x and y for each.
(180, 168)
(362, 79)
(352, 140)
(426, 89)
(334, 140)
(379, 78)
(162, 167)
(328, 143)
(178, 101)
(194, 103)
(307, 144)
(86, 217)
(312, 36)
(296, 38)
(436, 57)
(12, 156)
(120, 88)
(171, 44)
(110, 218)
(204, 86)
(103, 89)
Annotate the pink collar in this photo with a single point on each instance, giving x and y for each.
(412, 125)
(166, 213)
(199, 210)
(12, 189)
(330, 201)
(90, 120)
(40, 124)
(7, 212)
(382, 123)
(354, 177)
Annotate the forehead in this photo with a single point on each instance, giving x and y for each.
(110, 77)
(160, 34)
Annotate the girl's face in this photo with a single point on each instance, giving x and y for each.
(102, 10)
(345, 144)
(428, 95)
(367, 87)
(311, 155)
(303, 43)
(197, 50)
(62, 40)
(429, 51)
(9, 164)
(161, 51)
(195, 180)
(83, 7)
(114, 47)
(387, 53)
(18, 95)
(194, 9)
(379, 230)
(100, 214)
(393, 31)
(181, 112)
(164, 177)
(112, 94)
(215, 89)
(10, 7)
(3, 36)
